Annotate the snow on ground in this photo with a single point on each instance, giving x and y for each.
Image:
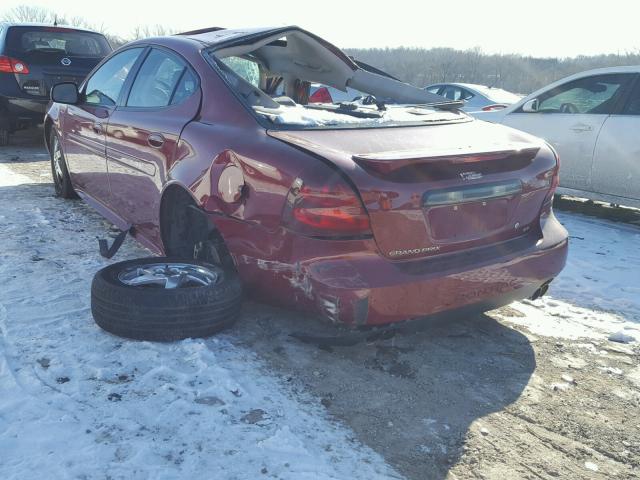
(597, 295)
(77, 402)
(603, 271)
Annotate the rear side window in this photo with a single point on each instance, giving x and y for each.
(105, 85)
(60, 41)
(186, 87)
(453, 92)
(633, 105)
(163, 79)
(244, 68)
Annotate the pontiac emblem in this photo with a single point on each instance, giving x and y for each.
(470, 176)
(66, 61)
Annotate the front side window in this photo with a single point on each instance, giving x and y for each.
(161, 80)
(594, 95)
(104, 86)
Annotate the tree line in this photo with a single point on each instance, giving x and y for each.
(517, 73)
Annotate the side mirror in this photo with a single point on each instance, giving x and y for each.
(530, 106)
(65, 93)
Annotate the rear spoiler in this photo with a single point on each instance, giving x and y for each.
(387, 162)
(202, 30)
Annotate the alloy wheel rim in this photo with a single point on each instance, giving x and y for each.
(168, 275)
(57, 160)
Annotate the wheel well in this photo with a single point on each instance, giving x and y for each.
(186, 230)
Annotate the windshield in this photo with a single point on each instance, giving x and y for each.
(57, 40)
(296, 81)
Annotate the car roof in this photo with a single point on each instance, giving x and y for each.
(471, 86)
(215, 35)
(47, 25)
(620, 69)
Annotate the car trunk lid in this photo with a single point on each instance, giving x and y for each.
(439, 189)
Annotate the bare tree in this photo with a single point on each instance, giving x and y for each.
(146, 31)
(28, 13)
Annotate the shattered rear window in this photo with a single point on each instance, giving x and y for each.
(299, 81)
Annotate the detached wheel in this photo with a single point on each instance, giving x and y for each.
(59, 172)
(165, 299)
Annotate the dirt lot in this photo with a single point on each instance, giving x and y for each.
(488, 397)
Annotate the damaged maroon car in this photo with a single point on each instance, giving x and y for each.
(393, 206)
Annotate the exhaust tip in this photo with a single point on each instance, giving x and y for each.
(540, 292)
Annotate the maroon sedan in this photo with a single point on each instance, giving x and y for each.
(391, 207)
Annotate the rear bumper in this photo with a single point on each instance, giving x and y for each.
(365, 289)
(23, 111)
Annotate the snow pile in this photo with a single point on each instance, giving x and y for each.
(628, 335)
(77, 402)
(554, 318)
(603, 269)
(313, 117)
(601, 276)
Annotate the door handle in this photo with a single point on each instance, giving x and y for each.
(155, 140)
(581, 127)
(97, 128)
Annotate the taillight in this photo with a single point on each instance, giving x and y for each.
(321, 95)
(495, 106)
(554, 181)
(325, 208)
(12, 65)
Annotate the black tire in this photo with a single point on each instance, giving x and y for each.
(61, 179)
(4, 137)
(161, 314)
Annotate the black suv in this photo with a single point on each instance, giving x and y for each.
(33, 58)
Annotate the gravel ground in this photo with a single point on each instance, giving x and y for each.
(493, 396)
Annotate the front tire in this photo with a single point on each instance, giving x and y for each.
(165, 299)
(59, 171)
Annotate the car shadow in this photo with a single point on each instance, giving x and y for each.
(411, 398)
(25, 146)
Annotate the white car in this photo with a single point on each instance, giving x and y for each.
(593, 121)
(476, 97)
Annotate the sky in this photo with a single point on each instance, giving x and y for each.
(544, 28)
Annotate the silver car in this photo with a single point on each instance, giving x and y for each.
(593, 121)
(476, 97)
